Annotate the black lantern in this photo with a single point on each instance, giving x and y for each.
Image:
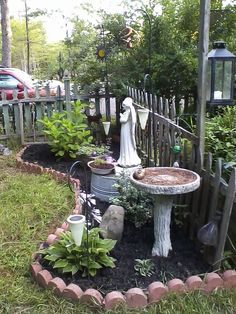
(220, 75)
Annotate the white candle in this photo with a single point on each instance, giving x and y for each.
(217, 94)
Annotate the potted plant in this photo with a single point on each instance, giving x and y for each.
(101, 166)
(90, 152)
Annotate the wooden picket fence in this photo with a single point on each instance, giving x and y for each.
(20, 117)
(214, 197)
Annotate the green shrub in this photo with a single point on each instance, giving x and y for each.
(66, 134)
(138, 204)
(91, 255)
(221, 134)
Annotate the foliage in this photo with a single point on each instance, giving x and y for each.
(180, 214)
(145, 267)
(221, 134)
(37, 46)
(229, 259)
(91, 255)
(92, 150)
(168, 40)
(99, 162)
(138, 204)
(66, 134)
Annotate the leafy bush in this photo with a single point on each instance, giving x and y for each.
(67, 134)
(221, 134)
(145, 267)
(138, 204)
(91, 255)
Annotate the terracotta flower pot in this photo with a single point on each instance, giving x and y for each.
(102, 169)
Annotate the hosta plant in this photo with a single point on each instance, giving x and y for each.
(66, 133)
(145, 267)
(65, 256)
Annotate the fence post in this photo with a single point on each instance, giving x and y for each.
(202, 61)
(67, 92)
(228, 205)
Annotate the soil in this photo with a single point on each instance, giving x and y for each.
(102, 165)
(183, 261)
(40, 154)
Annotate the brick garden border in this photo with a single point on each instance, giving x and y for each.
(134, 297)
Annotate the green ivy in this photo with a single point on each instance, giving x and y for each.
(138, 204)
(91, 255)
(66, 134)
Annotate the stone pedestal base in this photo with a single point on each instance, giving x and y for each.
(162, 217)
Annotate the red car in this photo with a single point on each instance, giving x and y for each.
(15, 79)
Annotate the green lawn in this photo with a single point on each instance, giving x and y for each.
(31, 206)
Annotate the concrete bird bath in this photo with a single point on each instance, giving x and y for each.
(164, 183)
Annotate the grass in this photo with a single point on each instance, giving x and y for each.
(31, 206)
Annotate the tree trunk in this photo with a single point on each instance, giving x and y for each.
(6, 34)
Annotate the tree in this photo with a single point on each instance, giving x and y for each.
(174, 43)
(43, 56)
(6, 34)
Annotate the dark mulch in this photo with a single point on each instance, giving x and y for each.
(41, 154)
(182, 262)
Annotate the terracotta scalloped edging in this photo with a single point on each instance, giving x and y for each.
(134, 297)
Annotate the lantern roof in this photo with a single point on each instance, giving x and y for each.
(219, 51)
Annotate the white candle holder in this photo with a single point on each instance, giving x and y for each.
(143, 116)
(106, 126)
(76, 223)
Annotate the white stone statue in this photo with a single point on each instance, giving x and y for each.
(128, 153)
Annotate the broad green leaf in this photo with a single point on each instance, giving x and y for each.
(61, 263)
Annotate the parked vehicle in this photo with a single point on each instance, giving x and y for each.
(15, 79)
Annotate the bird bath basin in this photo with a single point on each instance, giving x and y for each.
(164, 183)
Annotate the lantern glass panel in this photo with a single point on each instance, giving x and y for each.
(223, 76)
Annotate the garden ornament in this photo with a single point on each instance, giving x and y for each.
(76, 223)
(4, 150)
(112, 224)
(208, 234)
(127, 34)
(128, 151)
(163, 183)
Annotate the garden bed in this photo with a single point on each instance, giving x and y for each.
(182, 262)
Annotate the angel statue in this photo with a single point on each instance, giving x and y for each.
(128, 151)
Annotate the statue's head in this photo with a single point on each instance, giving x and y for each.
(127, 103)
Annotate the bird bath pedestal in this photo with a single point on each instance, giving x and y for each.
(164, 183)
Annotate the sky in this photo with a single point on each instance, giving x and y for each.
(57, 25)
